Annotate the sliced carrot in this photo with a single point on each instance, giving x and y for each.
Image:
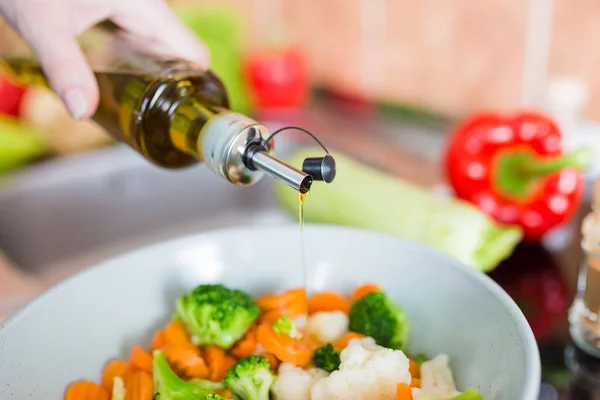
(159, 340)
(113, 369)
(363, 290)
(139, 386)
(415, 382)
(140, 359)
(280, 300)
(86, 390)
(218, 362)
(186, 361)
(273, 361)
(246, 346)
(284, 347)
(227, 393)
(328, 301)
(414, 369)
(176, 335)
(292, 310)
(403, 392)
(342, 343)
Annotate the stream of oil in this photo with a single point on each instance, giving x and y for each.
(303, 264)
(302, 246)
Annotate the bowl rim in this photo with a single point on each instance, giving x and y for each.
(532, 356)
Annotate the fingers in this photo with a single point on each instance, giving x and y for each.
(45, 26)
(154, 21)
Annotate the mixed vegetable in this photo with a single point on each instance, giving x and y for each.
(224, 344)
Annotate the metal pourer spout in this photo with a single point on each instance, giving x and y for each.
(320, 168)
(313, 169)
(239, 150)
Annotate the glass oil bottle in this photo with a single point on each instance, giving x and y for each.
(176, 114)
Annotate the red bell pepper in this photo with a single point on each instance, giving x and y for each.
(514, 169)
(11, 96)
(279, 78)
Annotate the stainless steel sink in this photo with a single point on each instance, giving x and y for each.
(61, 216)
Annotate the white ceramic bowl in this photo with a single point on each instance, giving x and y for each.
(70, 332)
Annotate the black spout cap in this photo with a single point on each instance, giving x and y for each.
(320, 168)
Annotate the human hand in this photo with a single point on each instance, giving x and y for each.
(51, 27)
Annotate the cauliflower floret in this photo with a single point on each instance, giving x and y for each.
(327, 327)
(294, 383)
(436, 379)
(367, 372)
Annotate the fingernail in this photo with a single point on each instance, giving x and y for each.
(76, 103)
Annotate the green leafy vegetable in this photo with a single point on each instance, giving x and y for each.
(384, 203)
(206, 384)
(168, 386)
(215, 314)
(19, 144)
(377, 316)
(327, 358)
(250, 378)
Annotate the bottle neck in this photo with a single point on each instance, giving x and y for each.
(223, 142)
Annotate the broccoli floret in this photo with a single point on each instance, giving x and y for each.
(215, 314)
(375, 315)
(250, 378)
(286, 326)
(327, 358)
(169, 386)
(214, 396)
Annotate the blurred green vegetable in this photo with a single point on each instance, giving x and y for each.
(367, 198)
(220, 29)
(19, 144)
(469, 394)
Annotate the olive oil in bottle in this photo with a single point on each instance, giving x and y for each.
(171, 111)
(176, 114)
(158, 110)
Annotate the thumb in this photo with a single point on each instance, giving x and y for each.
(48, 32)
